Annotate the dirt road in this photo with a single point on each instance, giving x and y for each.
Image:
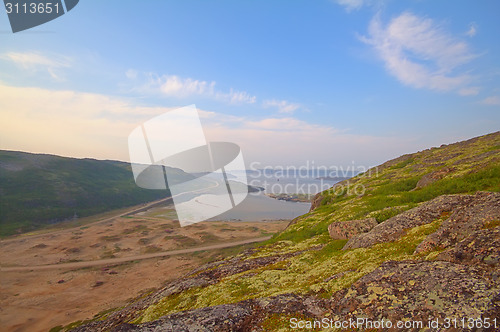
(110, 261)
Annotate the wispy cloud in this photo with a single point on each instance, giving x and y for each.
(354, 5)
(351, 4)
(493, 100)
(283, 106)
(286, 124)
(420, 53)
(470, 91)
(291, 141)
(236, 97)
(35, 61)
(38, 120)
(472, 30)
(181, 87)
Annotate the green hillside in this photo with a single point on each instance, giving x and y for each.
(403, 183)
(38, 189)
(389, 190)
(305, 261)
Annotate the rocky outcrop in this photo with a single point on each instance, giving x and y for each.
(242, 316)
(433, 177)
(463, 281)
(394, 228)
(208, 274)
(316, 202)
(465, 219)
(480, 248)
(347, 229)
(419, 291)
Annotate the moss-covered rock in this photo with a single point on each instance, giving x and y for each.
(418, 291)
(344, 230)
(468, 213)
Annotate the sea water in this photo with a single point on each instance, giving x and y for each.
(260, 207)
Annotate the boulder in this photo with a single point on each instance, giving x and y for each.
(433, 176)
(394, 228)
(481, 248)
(464, 221)
(242, 316)
(418, 291)
(344, 230)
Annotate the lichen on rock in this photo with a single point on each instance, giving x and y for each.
(343, 230)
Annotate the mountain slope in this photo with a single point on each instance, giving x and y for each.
(438, 215)
(39, 189)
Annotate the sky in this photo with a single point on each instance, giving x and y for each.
(317, 83)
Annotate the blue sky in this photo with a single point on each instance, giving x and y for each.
(331, 82)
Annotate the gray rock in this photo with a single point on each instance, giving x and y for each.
(433, 177)
(418, 291)
(479, 248)
(242, 316)
(464, 220)
(347, 229)
(205, 275)
(394, 228)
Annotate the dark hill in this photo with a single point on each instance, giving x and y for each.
(39, 189)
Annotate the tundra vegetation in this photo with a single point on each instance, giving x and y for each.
(303, 260)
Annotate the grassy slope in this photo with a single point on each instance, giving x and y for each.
(36, 190)
(389, 190)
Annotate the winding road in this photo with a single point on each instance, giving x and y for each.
(110, 261)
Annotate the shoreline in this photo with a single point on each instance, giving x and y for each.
(294, 198)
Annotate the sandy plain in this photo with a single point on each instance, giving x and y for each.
(40, 299)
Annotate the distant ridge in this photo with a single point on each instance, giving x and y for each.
(41, 189)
